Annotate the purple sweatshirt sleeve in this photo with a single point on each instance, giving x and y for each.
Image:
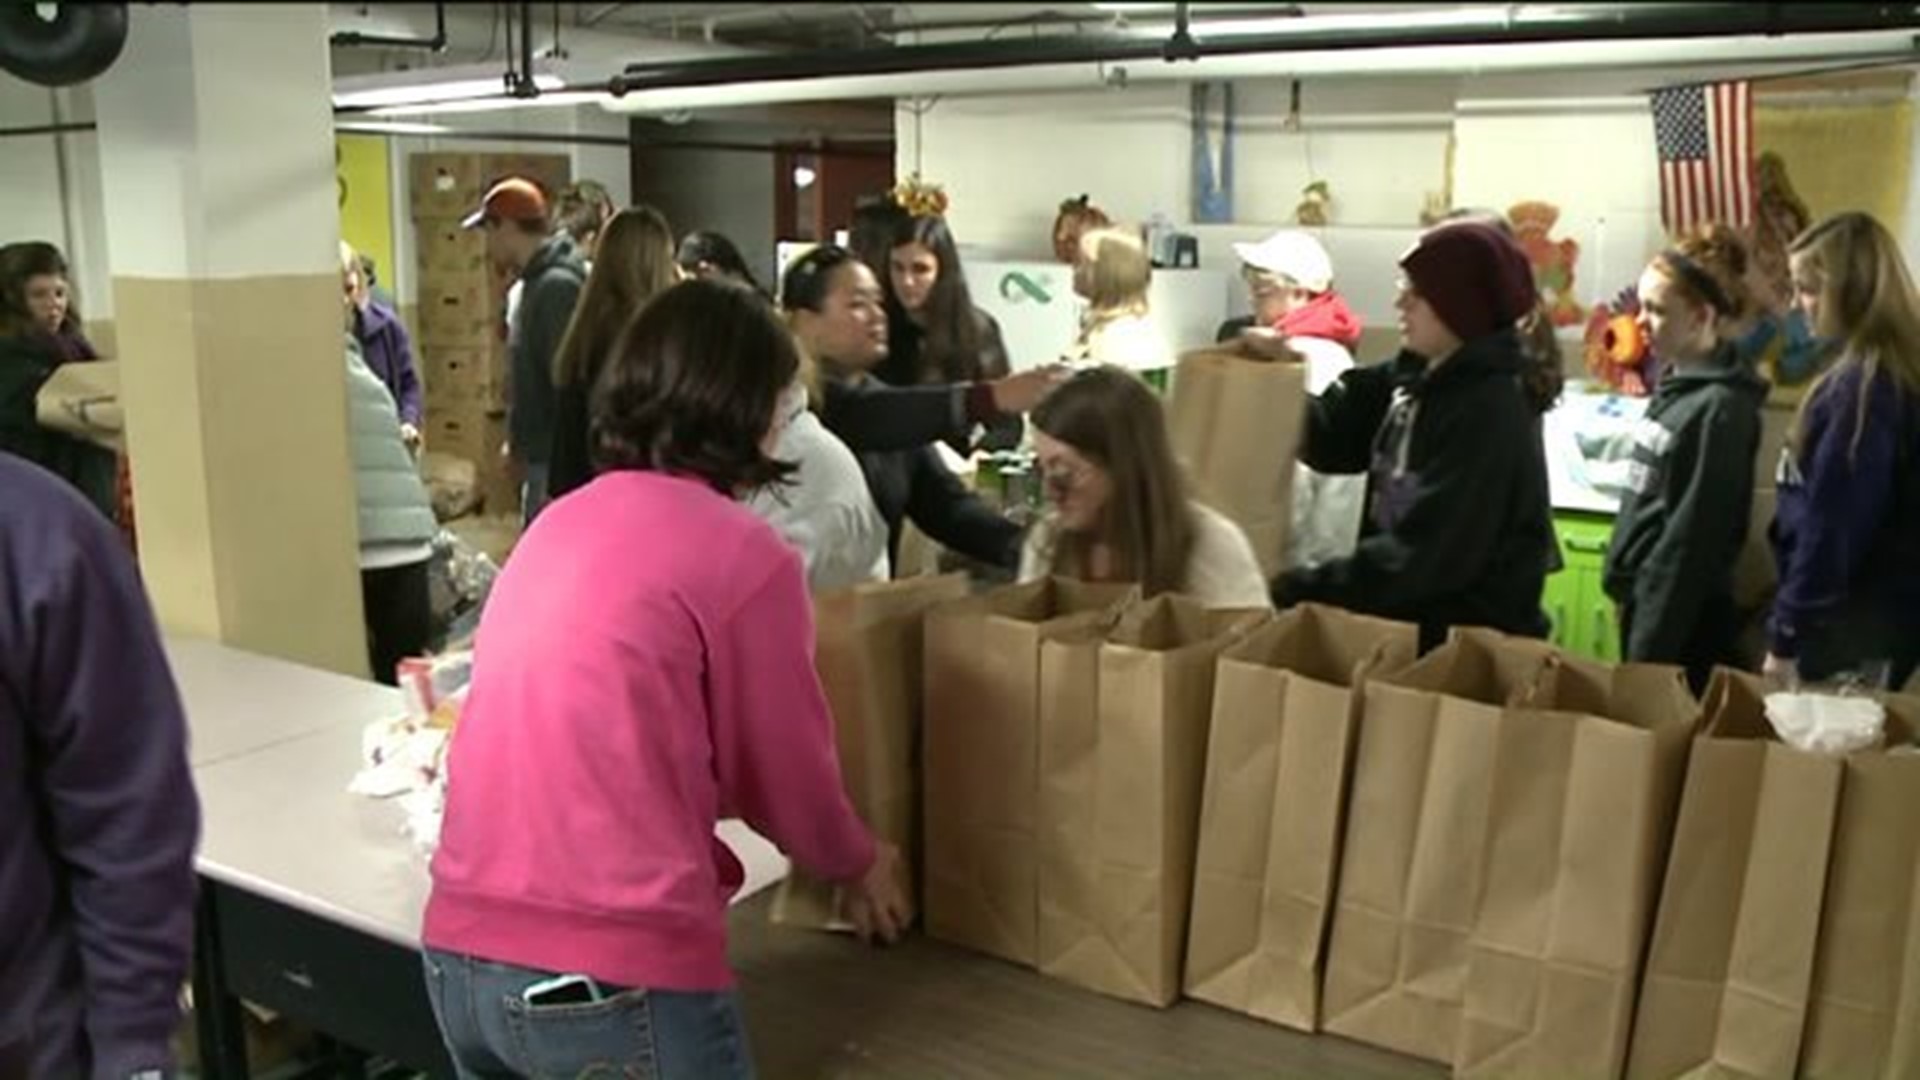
(122, 818)
(1847, 491)
(774, 747)
(407, 378)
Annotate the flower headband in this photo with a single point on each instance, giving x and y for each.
(919, 198)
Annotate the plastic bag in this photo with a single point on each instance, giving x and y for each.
(1832, 724)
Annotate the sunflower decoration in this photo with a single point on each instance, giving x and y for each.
(1617, 352)
(920, 198)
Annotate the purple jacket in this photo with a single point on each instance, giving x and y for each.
(389, 352)
(98, 816)
(1847, 527)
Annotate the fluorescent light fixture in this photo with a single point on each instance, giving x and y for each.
(418, 92)
(390, 127)
(495, 104)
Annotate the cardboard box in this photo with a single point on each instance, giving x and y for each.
(464, 374)
(474, 432)
(443, 247)
(470, 314)
(443, 185)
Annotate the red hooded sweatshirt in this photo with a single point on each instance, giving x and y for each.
(1325, 316)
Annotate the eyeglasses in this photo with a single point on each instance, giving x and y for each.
(1061, 478)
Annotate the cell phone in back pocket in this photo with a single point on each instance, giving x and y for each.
(561, 990)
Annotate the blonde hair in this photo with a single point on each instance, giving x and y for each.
(1867, 306)
(349, 259)
(1119, 273)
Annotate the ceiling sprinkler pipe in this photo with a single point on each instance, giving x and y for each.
(1511, 26)
(437, 43)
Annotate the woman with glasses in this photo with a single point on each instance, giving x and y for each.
(1118, 508)
(1459, 530)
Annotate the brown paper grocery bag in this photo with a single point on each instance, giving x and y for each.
(1584, 788)
(1415, 838)
(1123, 743)
(1729, 971)
(1273, 807)
(1236, 425)
(1864, 1020)
(981, 757)
(868, 650)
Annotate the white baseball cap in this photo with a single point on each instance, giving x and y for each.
(1292, 254)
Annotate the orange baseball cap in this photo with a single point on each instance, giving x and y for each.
(512, 199)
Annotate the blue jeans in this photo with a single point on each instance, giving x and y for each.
(630, 1034)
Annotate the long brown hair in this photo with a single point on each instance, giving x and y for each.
(951, 349)
(1113, 420)
(1867, 306)
(634, 264)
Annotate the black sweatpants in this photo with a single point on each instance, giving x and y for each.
(399, 613)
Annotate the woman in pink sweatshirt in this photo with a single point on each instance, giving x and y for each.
(644, 669)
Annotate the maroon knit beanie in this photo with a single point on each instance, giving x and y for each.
(1473, 276)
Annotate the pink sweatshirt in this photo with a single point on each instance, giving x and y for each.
(644, 668)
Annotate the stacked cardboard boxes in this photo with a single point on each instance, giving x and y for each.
(460, 323)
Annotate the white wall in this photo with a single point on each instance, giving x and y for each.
(1381, 143)
(36, 206)
(1593, 159)
(1008, 162)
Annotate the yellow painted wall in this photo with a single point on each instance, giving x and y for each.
(366, 201)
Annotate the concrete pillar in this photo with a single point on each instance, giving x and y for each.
(216, 157)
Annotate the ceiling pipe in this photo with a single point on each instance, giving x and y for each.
(1733, 55)
(437, 43)
(1589, 23)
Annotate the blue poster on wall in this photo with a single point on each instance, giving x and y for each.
(1212, 152)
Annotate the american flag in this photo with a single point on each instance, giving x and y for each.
(1704, 135)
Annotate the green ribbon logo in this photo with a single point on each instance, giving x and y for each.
(1015, 284)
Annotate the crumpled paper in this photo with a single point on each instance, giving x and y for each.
(405, 758)
(1827, 723)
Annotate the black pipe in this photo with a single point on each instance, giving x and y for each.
(436, 43)
(1624, 22)
(834, 149)
(523, 84)
(49, 129)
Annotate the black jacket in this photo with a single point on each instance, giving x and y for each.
(911, 483)
(1459, 530)
(570, 463)
(906, 365)
(1681, 527)
(26, 363)
(552, 283)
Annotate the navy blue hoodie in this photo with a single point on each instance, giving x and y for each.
(1846, 533)
(98, 817)
(1681, 528)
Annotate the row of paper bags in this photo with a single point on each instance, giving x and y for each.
(1497, 856)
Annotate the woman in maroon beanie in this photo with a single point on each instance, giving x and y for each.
(1459, 531)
